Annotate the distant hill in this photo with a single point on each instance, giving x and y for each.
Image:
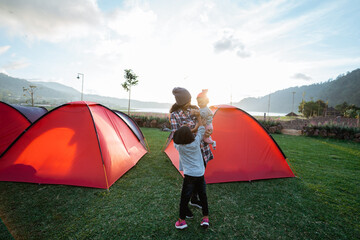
(59, 87)
(345, 88)
(54, 94)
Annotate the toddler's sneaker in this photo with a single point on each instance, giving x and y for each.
(204, 223)
(180, 224)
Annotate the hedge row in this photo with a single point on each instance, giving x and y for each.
(333, 131)
(151, 121)
(272, 126)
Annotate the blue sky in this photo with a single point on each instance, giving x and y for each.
(236, 49)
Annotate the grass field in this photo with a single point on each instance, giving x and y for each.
(323, 202)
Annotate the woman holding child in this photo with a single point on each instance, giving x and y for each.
(185, 114)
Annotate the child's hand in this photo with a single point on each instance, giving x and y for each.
(185, 124)
(202, 121)
(195, 112)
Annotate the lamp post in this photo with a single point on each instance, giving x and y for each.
(292, 109)
(82, 85)
(269, 105)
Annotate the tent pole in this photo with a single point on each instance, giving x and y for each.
(107, 184)
(165, 145)
(147, 145)
(291, 167)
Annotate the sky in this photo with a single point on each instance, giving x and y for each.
(235, 49)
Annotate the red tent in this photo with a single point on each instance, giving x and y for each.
(134, 127)
(245, 150)
(14, 119)
(79, 143)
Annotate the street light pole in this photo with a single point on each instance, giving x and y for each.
(292, 109)
(82, 85)
(269, 106)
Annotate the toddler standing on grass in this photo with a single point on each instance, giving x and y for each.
(192, 164)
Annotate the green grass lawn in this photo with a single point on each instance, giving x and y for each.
(322, 203)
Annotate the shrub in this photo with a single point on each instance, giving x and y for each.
(331, 130)
(352, 113)
(147, 120)
(271, 126)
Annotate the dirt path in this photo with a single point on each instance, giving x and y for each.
(293, 132)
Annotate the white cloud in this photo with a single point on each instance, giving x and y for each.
(301, 76)
(15, 65)
(236, 48)
(225, 47)
(49, 20)
(229, 43)
(133, 22)
(4, 49)
(3, 71)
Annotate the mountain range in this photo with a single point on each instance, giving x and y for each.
(345, 88)
(54, 94)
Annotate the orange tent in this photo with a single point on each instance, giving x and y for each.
(79, 143)
(245, 150)
(14, 119)
(133, 126)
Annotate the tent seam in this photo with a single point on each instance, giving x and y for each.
(117, 131)
(18, 112)
(30, 126)
(98, 140)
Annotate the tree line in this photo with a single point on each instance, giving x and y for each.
(320, 108)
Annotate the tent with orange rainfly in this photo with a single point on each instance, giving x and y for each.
(79, 143)
(245, 151)
(14, 119)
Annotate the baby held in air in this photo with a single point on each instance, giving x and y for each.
(207, 114)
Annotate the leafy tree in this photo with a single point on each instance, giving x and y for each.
(342, 107)
(311, 108)
(352, 111)
(131, 80)
(320, 107)
(301, 106)
(30, 91)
